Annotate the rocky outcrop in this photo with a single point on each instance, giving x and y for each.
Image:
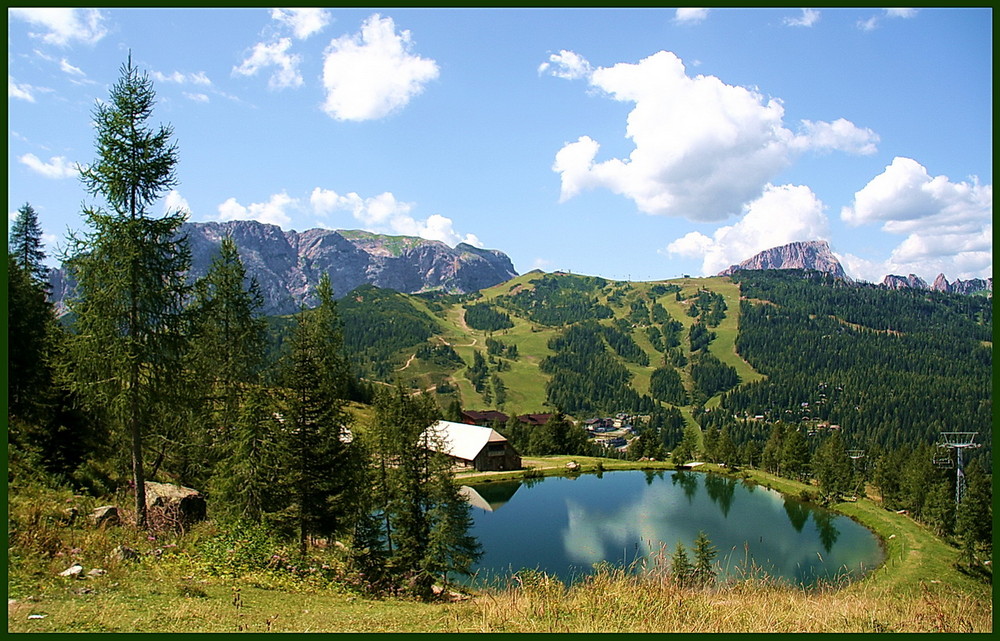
(813, 254)
(179, 506)
(940, 284)
(892, 281)
(289, 264)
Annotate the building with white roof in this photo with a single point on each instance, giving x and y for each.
(483, 448)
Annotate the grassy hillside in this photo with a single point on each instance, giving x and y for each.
(525, 384)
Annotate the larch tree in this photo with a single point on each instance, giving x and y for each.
(128, 339)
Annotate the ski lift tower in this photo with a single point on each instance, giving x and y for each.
(855, 456)
(959, 441)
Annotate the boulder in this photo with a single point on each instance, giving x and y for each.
(181, 505)
(72, 571)
(122, 553)
(105, 515)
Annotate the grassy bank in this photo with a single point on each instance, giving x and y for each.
(171, 587)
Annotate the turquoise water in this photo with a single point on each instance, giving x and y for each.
(563, 526)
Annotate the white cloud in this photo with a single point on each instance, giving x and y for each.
(19, 90)
(64, 25)
(383, 214)
(66, 67)
(180, 78)
(303, 22)
(948, 226)
(370, 74)
(196, 97)
(57, 166)
(568, 64)
(873, 22)
(808, 18)
(781, 215)
(702, 148)
(174, 202)
(273, 54)
(690, 15)
(272, 212)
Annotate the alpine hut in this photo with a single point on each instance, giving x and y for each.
(483, 448)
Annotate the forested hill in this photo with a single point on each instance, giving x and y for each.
(891, 368)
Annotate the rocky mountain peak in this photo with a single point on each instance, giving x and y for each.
(289, 264)
(813, 254)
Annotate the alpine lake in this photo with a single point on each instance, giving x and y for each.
(564, 526)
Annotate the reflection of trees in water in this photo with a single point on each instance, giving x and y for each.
(797, 513)
(721, 490)
(828, 532)
(688, 483)
(651, 475)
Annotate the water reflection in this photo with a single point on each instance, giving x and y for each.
(721, 490)
(565, 526)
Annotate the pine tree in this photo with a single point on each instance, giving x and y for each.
(25, 244)
(681, 569)
(228, 341)
(794, 454)
(315, 422)
(832, 467)
(704, 570)
(30, 329)
(128, 340)
(247, 483)
(974, 518)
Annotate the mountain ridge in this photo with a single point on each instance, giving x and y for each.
(289, 264)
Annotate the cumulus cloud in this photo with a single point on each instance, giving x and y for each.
(808, 18)
(174, 202)
(689, 15)
(20, 91)
(702, 148)
(781, 215)
(566, 64)
(272, 212)
(57, 166)
(63, 26)
(948, 225)
(303, 22)
(273, 54)
(384, 214)
(370, 74)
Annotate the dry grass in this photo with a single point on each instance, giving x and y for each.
(615, 602)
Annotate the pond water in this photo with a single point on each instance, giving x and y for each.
(565, 525)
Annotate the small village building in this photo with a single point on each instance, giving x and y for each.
(482, 448)
(534, 419)
(487, 418)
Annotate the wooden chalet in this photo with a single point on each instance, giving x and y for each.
(482, 448)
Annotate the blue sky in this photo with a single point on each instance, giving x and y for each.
(631, 144)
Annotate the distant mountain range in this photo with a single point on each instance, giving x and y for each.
(288, 264)
(816, 255)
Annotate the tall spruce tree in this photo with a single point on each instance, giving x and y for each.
(25, 243)
(316, 422)
(30, 325)
(129, 339)
(704, 570)
(228, 342)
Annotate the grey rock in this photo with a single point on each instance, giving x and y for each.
(181, 505)
(289, 264)
(72, 571)
(123, 553)
(813, 254)
(105, 515)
